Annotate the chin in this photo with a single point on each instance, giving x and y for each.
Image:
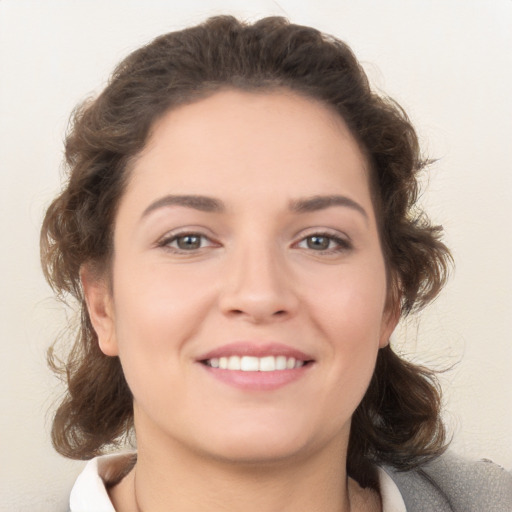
(258, 453)
(263, 445)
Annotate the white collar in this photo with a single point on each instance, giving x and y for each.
(90, 495)
(392, 500)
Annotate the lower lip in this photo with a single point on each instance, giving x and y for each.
(258, 381)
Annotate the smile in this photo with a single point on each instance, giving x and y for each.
(255, 364)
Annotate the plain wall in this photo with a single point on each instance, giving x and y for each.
(448, 62)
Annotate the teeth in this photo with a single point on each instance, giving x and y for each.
(268, 364)
(234, 363)
(249, 364)
(281, 363)
(255, 364)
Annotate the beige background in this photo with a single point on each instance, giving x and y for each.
(449, 62)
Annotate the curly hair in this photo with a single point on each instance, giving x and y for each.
(398, 421)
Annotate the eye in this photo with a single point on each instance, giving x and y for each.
(185, 242)
(324, 243)
(189, 242)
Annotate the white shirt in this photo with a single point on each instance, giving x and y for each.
(90, 495)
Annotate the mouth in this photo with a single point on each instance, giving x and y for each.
(255, 364)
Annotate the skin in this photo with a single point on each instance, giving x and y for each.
(256, 275)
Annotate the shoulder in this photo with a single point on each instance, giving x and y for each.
(453, 484)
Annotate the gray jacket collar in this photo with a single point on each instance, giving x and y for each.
(452, 484)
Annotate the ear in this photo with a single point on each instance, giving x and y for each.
(100, 307)
(390, 319)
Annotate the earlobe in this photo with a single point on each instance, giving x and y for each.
(100, 307)
(390, 320)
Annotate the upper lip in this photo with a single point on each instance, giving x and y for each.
(255, 349)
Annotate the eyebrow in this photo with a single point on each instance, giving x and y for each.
(201, 203)
(315, 203)
(210, 204)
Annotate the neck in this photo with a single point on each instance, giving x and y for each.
(170, 476)
(188, 485)
(164, 481)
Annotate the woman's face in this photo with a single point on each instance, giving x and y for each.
(249, 286)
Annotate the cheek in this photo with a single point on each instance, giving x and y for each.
(156, 300)
(156, 314)
(348, 311)
(350, 303)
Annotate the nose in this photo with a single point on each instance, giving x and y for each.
(258, 286)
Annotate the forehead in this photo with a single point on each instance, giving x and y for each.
(250, 144)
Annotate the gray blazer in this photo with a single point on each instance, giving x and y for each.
(452, 484)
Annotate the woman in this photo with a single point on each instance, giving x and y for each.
(241, 232)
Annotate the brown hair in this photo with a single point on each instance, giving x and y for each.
(398, 421)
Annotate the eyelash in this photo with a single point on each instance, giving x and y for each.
(341, 244)
(165, 243)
